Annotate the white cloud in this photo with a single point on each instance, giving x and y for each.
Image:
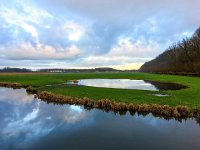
(104, 60)
(73, 51)
(27, 51)
(26, 17)
(12, 17)
(126, 54)
(134, 49)
(73, 31)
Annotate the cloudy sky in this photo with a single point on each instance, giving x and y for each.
(91, 33)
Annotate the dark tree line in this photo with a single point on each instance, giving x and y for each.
(7, 69)
(182, 57)
(101, 69)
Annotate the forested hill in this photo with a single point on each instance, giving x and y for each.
(183, 57)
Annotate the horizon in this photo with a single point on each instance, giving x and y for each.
(75, 34)
(90, 68)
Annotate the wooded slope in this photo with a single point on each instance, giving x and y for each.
(182, 57)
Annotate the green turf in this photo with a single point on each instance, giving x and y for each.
(189, 96)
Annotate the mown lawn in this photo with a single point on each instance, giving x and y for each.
(189, 96)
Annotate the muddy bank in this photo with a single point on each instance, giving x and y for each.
(164, 111)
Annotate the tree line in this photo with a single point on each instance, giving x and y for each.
(101, 69)
(181, 57)
(7, 69)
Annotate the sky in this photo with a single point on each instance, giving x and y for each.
(122, 34)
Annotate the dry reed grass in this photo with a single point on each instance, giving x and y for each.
(164, 111)
(11, 85)
(29, 89)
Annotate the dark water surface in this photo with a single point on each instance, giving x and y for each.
(129, 84)
(34, 125)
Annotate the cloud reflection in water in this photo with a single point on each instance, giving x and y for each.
(32, 124)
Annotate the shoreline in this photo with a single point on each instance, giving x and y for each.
(165, 111)
(177, 112)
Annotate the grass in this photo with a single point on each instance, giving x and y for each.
(189, 97)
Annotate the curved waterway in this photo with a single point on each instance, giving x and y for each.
(30, 124)
(128, 84)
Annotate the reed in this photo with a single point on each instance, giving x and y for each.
(11, 85)
(107, 105)
(31, 90)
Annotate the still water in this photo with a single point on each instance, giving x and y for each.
(30, 124)
(129, 84)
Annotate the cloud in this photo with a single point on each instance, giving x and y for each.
(26, 51)
(75, 32)
(22, 15)
(134, 49)
(124, 53)
(131, 10)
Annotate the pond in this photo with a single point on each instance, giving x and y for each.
(30, 124)
(128, 84)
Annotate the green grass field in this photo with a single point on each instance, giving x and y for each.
(189, 97)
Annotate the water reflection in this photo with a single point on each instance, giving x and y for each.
(32, 124)
(128, 84)
(16, 97)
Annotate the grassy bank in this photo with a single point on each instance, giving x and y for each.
(189, 97)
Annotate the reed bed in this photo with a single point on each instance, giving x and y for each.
(11, 85)
(29, 89)
(120, 107)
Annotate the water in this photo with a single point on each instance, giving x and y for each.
(128, 84)
(28, 124)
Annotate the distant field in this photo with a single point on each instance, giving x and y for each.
(189, 96)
